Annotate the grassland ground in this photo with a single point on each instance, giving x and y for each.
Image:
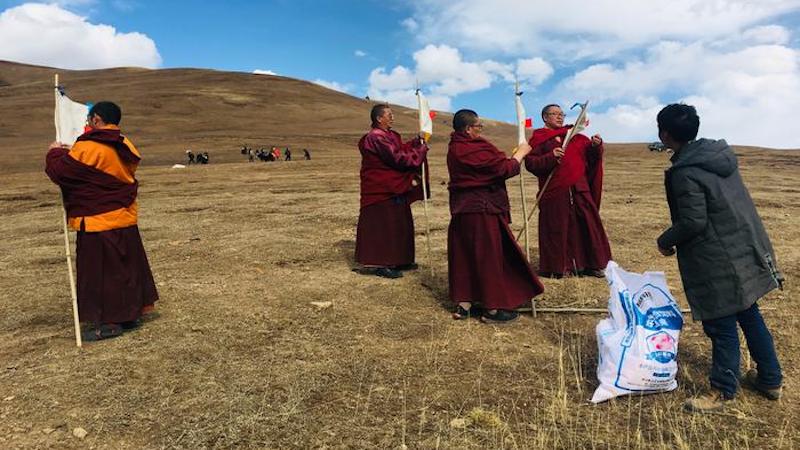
(237, 356)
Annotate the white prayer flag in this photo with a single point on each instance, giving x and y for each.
(580, 123)
(425, 116)
(70, 118)
(521, 119)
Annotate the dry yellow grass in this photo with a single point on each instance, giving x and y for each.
(237, 356)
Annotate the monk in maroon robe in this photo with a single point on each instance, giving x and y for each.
(571, 235)
(97, 178)
(486, 265)
(390, 182)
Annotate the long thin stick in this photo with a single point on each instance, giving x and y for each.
(72, 288)
(427, 219)
(524, 215)
(536, 205)
(521, 139)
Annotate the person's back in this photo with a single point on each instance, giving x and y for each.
(725, 257)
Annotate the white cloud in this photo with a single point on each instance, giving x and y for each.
(360, 53)
(730, 88)
(398, 79)
(264, 72)
(579, 29)
(47, 34)
(533, 71)
(444, 73)
(410, 25)
(334, 85)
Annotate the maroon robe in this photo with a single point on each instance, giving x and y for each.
(486, 265)
(390, 182)
(571, 234)
(114, 281)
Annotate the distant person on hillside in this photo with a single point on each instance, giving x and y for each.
(725, 257)
(486, 265)
(572, 239)
(190, 156)
(97, 179)
(390, 176)
(250, 155)
(205, 157)
(306, 154)
(288, 154)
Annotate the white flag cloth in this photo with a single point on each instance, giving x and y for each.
(521, 119)
(70, 118)
(425, 121)
(580, 124)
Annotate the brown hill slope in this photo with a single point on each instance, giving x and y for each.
(167, 111)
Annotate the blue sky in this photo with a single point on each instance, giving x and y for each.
(738, 61)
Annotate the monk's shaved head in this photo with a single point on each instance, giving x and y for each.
(109, 112)
(464, 118)
(377, 111)
(546, 109)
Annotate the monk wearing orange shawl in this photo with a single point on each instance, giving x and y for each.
(97, 179)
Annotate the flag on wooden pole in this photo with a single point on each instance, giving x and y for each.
(70, 118)
(426, 130)
(522, 124)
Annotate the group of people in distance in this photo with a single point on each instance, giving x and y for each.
(200, 158)
(725, 257)
(274, 154)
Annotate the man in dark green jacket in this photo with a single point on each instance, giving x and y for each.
(724, 255)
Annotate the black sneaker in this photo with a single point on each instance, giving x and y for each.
(387, 272)
(131, 325)
(500, 316)
(409, 266)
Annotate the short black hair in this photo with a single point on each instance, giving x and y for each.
(680, 121)
(544, 110)
(464, 118)
(108, 111)
(377, 111)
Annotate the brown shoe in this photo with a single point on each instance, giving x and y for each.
(750, 381)
(712, 402)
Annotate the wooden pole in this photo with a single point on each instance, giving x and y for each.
(521, 139)
(427, 218)
(72, 288)
(536, 204)
(524, 215)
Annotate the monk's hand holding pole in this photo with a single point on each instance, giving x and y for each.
(558, 152)
(521, 152)
(596, 140)
(666, 251)
(56, 144)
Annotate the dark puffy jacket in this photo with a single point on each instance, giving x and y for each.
(724, 254)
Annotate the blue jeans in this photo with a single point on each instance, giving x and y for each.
(725, 352)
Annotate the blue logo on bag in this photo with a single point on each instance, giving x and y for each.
(661, 318)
